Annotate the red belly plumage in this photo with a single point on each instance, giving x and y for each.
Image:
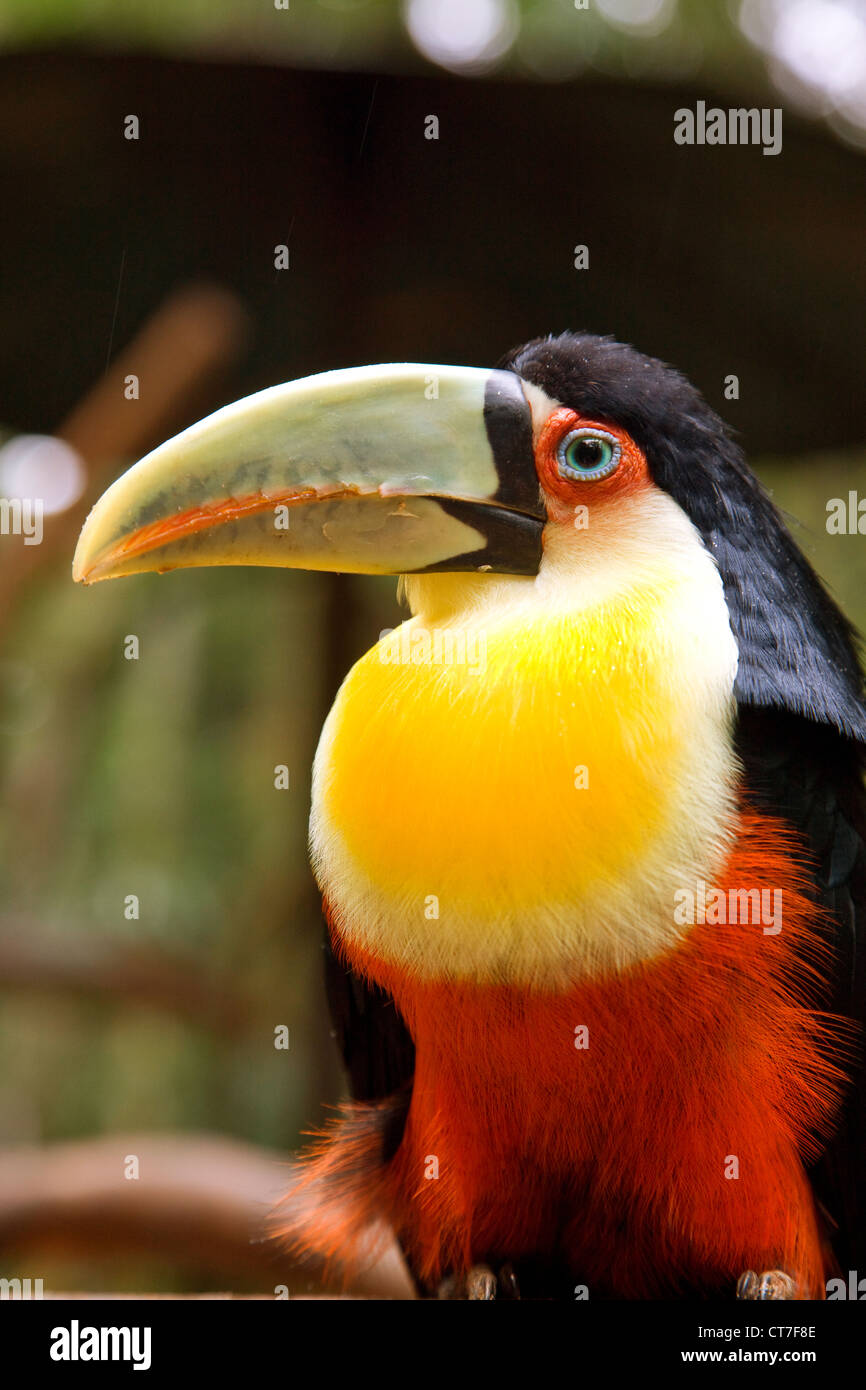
(666, 1153)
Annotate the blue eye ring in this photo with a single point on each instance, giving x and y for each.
(603, 444)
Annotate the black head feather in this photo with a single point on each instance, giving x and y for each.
(797, 649)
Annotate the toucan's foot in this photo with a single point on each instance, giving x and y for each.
(480, 1283)
(773, 1283)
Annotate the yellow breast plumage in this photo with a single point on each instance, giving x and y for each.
(521, 749)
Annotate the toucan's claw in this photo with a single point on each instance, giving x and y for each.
(480, 1284)
(508, 1285)
(772, 1284)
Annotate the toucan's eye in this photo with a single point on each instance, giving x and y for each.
(588, 454)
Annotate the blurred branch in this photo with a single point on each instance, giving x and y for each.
(190, 338)
(80, 963)
(200, 1297)
(200, 1200)
(176, 355)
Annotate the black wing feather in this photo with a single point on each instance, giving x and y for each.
(812, 776)
(374, 1042)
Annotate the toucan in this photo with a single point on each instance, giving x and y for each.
(588, 826)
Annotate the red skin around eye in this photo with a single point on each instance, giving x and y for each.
(563, 494)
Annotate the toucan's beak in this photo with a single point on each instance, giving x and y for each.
(375, 470)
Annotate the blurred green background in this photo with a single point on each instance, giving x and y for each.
(304, 126)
